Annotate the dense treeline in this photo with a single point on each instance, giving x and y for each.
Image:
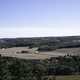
(19, 69)
(42, 42)
(67, 65)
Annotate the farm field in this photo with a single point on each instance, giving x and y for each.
(15, 52)
(73, 77)
(73, 51)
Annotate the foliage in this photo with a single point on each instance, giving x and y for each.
(41, 42)
(19, 69)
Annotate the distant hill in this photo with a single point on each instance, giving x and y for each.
(51, 42)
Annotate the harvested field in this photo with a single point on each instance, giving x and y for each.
(71, 51)
(71, 77)
(12, 52)
(67, 77)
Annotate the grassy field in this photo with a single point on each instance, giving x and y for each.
(73, 77)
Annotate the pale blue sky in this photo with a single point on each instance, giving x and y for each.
(31, 18)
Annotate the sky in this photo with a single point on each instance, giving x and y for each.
(39, 18)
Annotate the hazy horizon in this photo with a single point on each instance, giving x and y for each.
(39, 18)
